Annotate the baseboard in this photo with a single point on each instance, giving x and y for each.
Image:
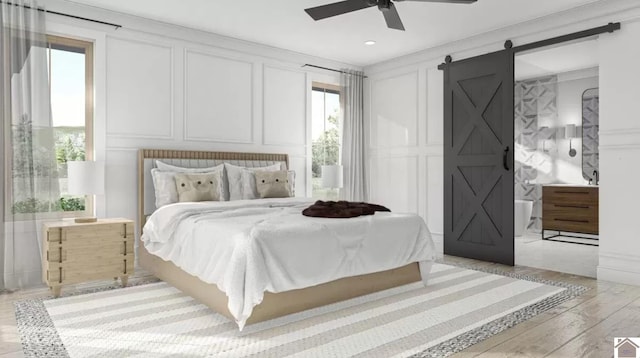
(618, 268)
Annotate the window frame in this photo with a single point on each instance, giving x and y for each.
(334, 89)
(62, 43)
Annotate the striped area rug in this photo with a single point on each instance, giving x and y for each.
(459, 307)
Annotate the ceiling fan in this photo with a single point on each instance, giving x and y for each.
(387, 8)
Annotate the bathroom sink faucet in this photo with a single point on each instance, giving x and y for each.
(595, 174)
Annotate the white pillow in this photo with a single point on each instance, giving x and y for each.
(173, 168)
(164, 185)
(250, 187)
(234, 178)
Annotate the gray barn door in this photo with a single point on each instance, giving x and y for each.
(478, 158)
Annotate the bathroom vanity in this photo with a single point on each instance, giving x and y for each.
(570, 208)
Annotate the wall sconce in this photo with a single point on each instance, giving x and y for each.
(570, 133)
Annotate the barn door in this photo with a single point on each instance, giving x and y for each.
(478, 158)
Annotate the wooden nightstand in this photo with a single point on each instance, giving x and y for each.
(78, 252)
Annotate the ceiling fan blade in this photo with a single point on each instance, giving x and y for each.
(338, 8)
(392, 18)
(444, 1)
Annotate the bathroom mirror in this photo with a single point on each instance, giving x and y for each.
(590, 130)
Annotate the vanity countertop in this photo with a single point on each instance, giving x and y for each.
(572, 185)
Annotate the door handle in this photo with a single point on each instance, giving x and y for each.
(504, 158)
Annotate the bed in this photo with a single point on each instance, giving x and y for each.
(254, 260)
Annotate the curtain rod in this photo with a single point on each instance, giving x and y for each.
(331, 69)
(66, 15)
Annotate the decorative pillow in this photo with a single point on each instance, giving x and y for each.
(250, 183)
(173, 168)
(198, 186)
(235, 178)
(164, 185)
(273, 184)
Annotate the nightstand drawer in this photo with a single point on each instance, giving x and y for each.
(90, 250)
(106, 231)
(74, 273)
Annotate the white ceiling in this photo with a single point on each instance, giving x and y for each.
(284, 24)
(559, 59)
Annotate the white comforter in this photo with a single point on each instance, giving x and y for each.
(247, 247)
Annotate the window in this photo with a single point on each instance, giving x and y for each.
(70, 65)
(325, 136)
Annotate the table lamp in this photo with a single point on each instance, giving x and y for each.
(85, 178)
(332, 176)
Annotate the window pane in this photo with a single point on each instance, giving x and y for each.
(68, 88)
(326, 138)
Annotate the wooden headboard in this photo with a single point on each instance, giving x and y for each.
(231, 157)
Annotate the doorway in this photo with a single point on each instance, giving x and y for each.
(556, 174)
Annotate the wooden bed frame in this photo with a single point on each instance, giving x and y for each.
(274, 304)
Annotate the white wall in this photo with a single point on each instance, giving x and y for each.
(403, 112)
(168, 87)
(620, 156)
(405, 137)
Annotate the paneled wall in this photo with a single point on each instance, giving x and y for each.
(164, 86)
(403, 113)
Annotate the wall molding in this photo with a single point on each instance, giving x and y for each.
(266, 66)
(620, 139)
(171, 49)
(416, 131)
(185, 112)
(619, 268)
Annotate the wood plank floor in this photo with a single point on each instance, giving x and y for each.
(582, 327)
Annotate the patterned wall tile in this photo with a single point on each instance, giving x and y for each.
(535, 99)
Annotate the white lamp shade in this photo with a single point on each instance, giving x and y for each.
(85, 178)
(332, 176)
(570, 131)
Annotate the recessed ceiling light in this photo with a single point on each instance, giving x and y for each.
(370, 42)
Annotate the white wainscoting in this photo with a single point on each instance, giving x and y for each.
(285, 105)
(403, 116)
(394, 103)
(162, 87)
(218, 98)
(140, 89)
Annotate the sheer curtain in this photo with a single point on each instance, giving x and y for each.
(353, 142)
(29, 171)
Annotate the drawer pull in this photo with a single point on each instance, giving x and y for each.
(571, 192)
(125, 248)
(573, 221)
(125, 267)
(572, 206)
(60, 278)
(60, 252)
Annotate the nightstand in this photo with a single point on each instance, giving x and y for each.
(79, 252)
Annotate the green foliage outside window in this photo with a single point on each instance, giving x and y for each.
(69, 144)
(326, 149)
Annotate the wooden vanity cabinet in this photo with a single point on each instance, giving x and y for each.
(570, 209)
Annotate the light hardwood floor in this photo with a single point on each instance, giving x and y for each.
(582, 327)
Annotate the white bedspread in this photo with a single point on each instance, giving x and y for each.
(247, 247)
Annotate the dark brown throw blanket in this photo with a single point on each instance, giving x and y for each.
(341, 209)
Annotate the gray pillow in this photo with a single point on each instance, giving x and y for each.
(273, 184)
(199, 187)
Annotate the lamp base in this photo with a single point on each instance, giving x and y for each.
(86, 220)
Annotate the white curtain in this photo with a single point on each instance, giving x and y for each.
(353, 140)
(29, 171)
